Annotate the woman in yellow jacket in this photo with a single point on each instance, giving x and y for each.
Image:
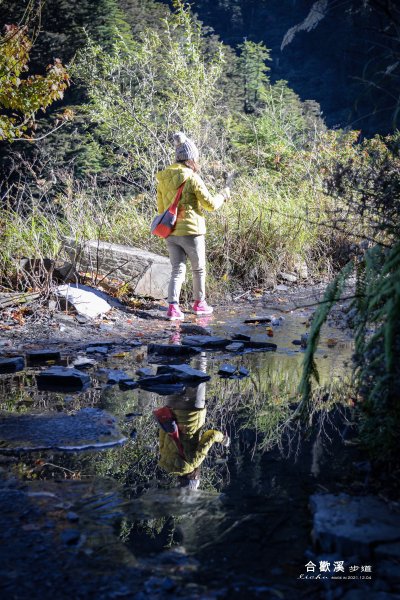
(190, 414)
(187, 239)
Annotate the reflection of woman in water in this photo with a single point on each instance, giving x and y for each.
(190, 414)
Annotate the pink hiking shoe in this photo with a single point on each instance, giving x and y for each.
(200, 307)
(174, 313)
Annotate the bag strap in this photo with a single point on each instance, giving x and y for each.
(177, 197)
(164, 416)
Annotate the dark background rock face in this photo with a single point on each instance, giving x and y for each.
(347, 63)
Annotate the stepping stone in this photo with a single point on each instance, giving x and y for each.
(243, 372)
(62, 378)
(87, 428)
(97, 350)
(258, 320)
(227, 370)
(205, 341)
(260, 345)
(128, 384)
(115, 375)
(83, 363)
(12, 365)
(145, 372)
(39, 357)
(172, 350)
(157, 380)
(242, 337)
(235, 347)
(164, 389)
(185, 373)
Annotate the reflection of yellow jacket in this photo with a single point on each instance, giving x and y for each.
(195, 444)
(195, 198)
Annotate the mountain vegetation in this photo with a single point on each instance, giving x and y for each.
(83, 138)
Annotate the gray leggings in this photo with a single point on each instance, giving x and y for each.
(180, 247)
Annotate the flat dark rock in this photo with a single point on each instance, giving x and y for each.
(296, 342)
(227, 370)
(83, 363)
(128, 384)
(243, 372)
(205, 341)
(158, 379)
(97, 350)
(235, 347)
(166, 389)
(184, 373)
(241, 337)
(114, 375)
(145, 372)
(62, 378)
(260, 345)
(172, 350)
(88, 428)
(264, 319)
(12, 365)
(37, 357)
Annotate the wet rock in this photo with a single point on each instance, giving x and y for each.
(352, 525)
(241, 337)
(235, 347)
(39, 357)
(12, 365)
(276, 321)
(172, 350)
(114, 375)
(226, 370)
(184, 373)
(243, 372)
(86, 302)
(163, 389)
(158, 379)
(296, 342)
(265, 319)
(97, 350)
(85, 429)
(128, 384)
(83, 363)
(62, 378)
(193, 329)
(205, 341)
(260, 345)
(145, 372)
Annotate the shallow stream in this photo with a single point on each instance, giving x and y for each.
(247, 531)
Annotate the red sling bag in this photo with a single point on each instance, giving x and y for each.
(164, 224)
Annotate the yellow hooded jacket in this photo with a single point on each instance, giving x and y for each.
(195, 444)
(195, 198)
